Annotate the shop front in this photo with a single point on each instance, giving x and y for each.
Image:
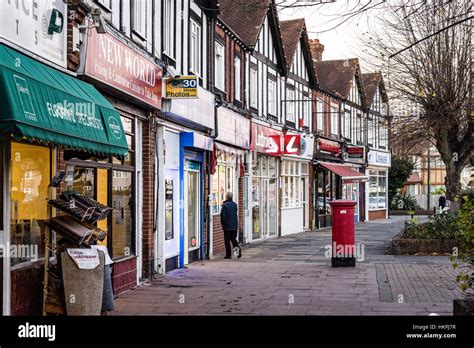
(44, 114)
(333, 180)
(183, 145)
(295, 183)
(125, 184)
(354, 157)
(379, 163)
(228, 171)
(262, 215)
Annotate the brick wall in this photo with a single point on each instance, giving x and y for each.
(73, 58)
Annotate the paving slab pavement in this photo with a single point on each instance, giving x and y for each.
(292, 276)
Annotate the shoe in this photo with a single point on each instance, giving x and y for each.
(240, 253)
(227, 257)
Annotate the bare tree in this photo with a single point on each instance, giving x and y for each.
(430, 70)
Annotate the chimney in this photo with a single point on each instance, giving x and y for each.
(316, 49)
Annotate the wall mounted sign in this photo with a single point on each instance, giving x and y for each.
(112, 62)
(234, 129)
(355, 153)
(379, 158)
(182, 87)
(329, 147)
(263, 140)
(37, 26)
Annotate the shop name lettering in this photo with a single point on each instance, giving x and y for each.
(77, 113)
(329, 148)
(263, 141)
(37, 331)
(140, 69)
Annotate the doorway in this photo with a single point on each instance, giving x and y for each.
(265, 208)
(305, 202)
(192, 211)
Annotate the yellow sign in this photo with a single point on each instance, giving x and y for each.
(182, 87)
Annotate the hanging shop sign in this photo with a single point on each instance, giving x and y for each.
(183, 87)
(354, 153)
(329, 147)
(379, 158)
(265, 140)
(234, 129)
(112, 62)
(37, 26)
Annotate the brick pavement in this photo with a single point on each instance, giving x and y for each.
(291, 276)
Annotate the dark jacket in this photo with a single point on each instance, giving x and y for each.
(229, 219)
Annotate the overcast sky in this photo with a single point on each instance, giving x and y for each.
(341, 42)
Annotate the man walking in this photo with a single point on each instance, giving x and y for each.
(230, 225)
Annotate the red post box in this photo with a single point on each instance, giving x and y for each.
(343, 235)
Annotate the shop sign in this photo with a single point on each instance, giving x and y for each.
(330, 147)
(37, 26)
(234, 129)
(182, 87)
(354, 153)
(379, 158)
(306, 148)
(265, 140)
(112, 62)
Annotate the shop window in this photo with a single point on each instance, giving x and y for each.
(122, 215)
(30, 177)
(129, 129)
(222, 182)
(377, 190)
(292, 173)
(84, 182)
(1, 189)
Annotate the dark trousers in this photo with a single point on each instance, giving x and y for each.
(230, 236)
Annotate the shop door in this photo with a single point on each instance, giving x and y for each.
(264, 208)
(305, 201)
(256, 209)
(192, 213)
(272, 207)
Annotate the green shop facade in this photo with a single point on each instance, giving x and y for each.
(51, 122)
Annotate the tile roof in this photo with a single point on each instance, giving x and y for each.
(336, 75)
(371, 82)
(291, 33)
(244, 18)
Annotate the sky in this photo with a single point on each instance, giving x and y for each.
(341, 42)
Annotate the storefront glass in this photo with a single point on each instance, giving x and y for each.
(264, 197)
(326, 188)
(377, 189)
(122, 217)
(30, 177)
(84, 181)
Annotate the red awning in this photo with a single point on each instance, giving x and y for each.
(347, 174)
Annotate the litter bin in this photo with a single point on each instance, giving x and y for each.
(343, 246)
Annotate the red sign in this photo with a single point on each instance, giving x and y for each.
(265, 140)
(332, 147)
(355, 152)
(114, 63)
(292, 145)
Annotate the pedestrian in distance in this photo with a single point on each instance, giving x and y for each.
(230, 225)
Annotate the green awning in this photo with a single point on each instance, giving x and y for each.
(43, 105)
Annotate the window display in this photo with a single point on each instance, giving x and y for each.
(122, 217)
(377, 190)
(30, 177)
(292, 174)
(222, 182)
